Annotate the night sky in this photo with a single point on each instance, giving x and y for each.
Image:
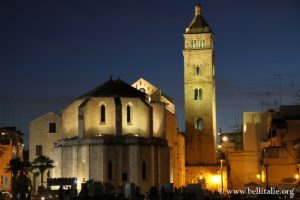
(53, 51)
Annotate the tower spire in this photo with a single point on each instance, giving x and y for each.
(198, 9)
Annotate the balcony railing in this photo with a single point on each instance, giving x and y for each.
(275, 152)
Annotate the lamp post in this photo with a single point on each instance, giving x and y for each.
(221, 163)
(267, 181)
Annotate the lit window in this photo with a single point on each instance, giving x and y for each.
(38, 150)
(102, 114)
(128, 114)
(199, 124)
(52, 127)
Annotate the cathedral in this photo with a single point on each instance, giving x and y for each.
(115, 133)
(121, 133)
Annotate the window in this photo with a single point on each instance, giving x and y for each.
(194, 44)
(109, 170)
(198, 94)
(38, 150)
(124, 176)
(52, 127)
(197, 70)
(202, 43)
(102, 114)
(199, 124)
(128, 114)
(144, 170)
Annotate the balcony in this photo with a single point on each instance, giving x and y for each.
(275, 152)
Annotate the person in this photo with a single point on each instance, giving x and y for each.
(60, 193)
(68, 194)
(73, 191)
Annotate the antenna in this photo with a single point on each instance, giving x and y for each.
(268, 103)
(292, 84)
(298, 96)
(280, 87)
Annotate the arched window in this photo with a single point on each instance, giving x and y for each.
(199, 124)
(102, 114)
(197, 70)
(202, 43)
(200, 94)
(196, 94)
(128, 114)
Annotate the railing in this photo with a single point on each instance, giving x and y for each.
(275, 152)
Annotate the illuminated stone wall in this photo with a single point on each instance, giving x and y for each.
(70, 119)
(91, 117)
(140, 117)
(92, 125)
(126, 156)
(244, 167)
(39, 135)
(159, 120)
(256, 126)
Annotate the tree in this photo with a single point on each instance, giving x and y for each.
(42, 163)
(20, 182)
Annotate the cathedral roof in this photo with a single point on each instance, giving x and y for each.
(113, 88)
(198, 24)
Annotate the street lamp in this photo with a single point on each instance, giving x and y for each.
(258, 177)
(296, 177)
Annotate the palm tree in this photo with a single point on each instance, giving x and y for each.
(42, 163)
(20, 182)
(15, 166)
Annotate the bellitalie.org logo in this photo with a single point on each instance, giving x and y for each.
(263, 191)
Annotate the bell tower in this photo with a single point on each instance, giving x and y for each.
(199, 92)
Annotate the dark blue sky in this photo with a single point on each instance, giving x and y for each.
(53, 51)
